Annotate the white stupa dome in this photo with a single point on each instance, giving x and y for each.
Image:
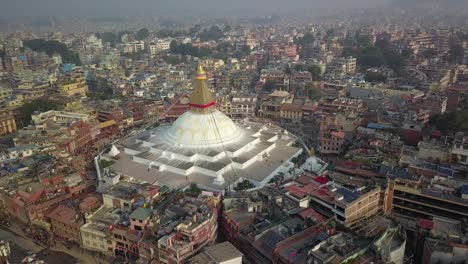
(203, 126)
(193, 129)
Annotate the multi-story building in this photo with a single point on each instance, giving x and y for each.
(368, 36)
(459, 150)
(291, 112)
(270, 106)
(334, 200)
(222, 253)
(191, 235)
(33, 200)
(7, 123)
(414, 198)
(59, 132)
(274, 75)
(123, 195)
(465, 55)
(332, 136)
(435, 104)
(94, 237)
(286, 224)
(350, 64)
(243, 106)
(73, 84)
(421, 43)
(65, 223)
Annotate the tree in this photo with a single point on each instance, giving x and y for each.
(214, 33)
(330, 32)
(313, 93)
(429, 53)
(269, 86)
(100, 89)
(287, 70)
(316, 72)
(456, 54)
(121, 33)
(244, 185)
(173, 46)
(51, 47)
(193, 190)
(308, 38)
(166, 33)
(189, 49)
(195, 29)
(142, 34)
(26, 110)
(135, 55)
(371, 57)
(173, 59)
(372, 76)
(453, 121)
(227, 28)
(109, 37)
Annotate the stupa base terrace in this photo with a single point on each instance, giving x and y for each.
(258, 154)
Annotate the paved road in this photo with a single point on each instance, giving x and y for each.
(18, 245)
(21, 245)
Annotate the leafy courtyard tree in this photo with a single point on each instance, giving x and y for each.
(51, 47)
(142, 34)
(27, 109)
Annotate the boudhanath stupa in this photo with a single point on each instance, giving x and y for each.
(206, 147)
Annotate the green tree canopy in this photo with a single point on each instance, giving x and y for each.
(316, 72)
(269, 86)
(189, 49)
(214, 33)
(244, 185)
(313, 93)
(195, 29)
(51, 47)
(124, 32)
(453, 121)
(374, 77)
(227, 28)
(456, 54)
(308, 38)
(142, 34)
(109, 37)
(27, 109)
(173, 59)
(371, 57)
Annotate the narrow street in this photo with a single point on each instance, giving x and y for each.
(20, 247)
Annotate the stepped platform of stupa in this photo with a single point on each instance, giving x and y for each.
(206, 147)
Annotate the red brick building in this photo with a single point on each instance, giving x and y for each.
(65, 223)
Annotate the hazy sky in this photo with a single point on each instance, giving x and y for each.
(17, 8)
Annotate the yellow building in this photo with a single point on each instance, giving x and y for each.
(291, 112)
(5, 93)
(7, 124)
(15, 102)
(74, 85)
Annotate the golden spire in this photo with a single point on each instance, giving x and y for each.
(200, 74)
(201, 97)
